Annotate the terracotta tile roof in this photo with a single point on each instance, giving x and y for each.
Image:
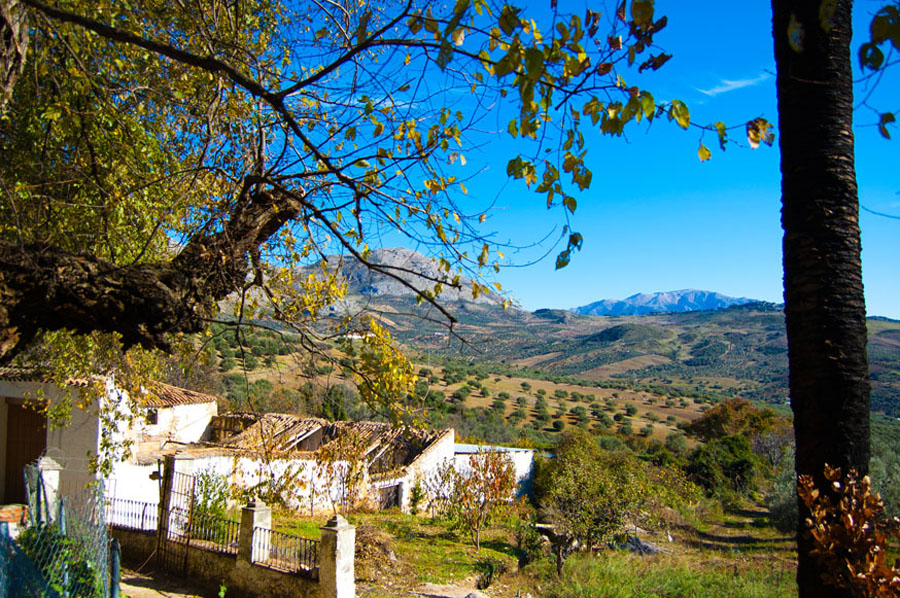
(164, 395)
(33, 374)
(167, 395)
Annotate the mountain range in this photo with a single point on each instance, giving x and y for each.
(410, 266)
(679, 342)
(663, 302)
(422, 272)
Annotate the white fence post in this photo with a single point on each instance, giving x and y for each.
(49, 473)
(255, 514)
(336, 551)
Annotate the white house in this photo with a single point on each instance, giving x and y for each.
(249, 450)
(305, 459)
(170, 415)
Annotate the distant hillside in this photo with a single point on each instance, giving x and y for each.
(736, 351)
(669, 301)
(693, 345)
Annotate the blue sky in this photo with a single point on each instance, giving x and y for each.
(656, 218)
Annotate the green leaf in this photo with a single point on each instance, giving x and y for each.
(870, 56)
(570, 204)
(648, 105)
(509, 19)
(886, 26)
(506, 65)
(534, 63)
(886, 119)
(513, 128)
(52, 113)
(414, 24)
(461, 7)
(562, 260)
(576, 240)
(642, 12)
(679, 112)
(723, 136)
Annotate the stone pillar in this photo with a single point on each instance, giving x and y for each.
(336, 550)
(255, 514)
(49, 473)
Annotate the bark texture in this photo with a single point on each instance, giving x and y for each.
(44, 287)
(823, 290)
(13, 46)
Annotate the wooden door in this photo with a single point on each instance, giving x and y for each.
(26, 440)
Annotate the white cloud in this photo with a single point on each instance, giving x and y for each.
(728, 85)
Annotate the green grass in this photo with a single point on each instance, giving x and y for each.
(718, 559)
(439, 554)
(305, 527)
(623, 575)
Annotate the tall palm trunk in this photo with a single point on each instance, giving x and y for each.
(823, 291)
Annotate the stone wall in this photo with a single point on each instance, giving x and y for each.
(243, 574)
(207, 570)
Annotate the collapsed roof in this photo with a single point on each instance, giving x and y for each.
(380, 445)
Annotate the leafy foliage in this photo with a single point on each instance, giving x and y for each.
(734, 416)
(590, 495)
(724, 465)
(211, 493)
(850, 535)
(470, 497)
(63, 561)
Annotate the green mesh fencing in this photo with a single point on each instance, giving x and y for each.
(67, 542)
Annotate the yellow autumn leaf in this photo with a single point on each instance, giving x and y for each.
(703, 153)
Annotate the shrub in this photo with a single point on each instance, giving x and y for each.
(210, 493)
(416, 496)
(62, 560)
(781, 500)
(724, 465)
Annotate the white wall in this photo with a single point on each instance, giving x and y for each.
(523, 462)
(72, 446)
(311, 487)
(131, 481)
(424, 466)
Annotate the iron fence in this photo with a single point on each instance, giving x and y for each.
(215, 533)
(285, 552)
(132, 514)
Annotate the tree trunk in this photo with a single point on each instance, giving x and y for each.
(43, 287)
(823, 291)
(13, 47)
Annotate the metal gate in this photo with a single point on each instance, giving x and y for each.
(176, 511)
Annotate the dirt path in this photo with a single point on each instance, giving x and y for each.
(745, 532)
(138, 585)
